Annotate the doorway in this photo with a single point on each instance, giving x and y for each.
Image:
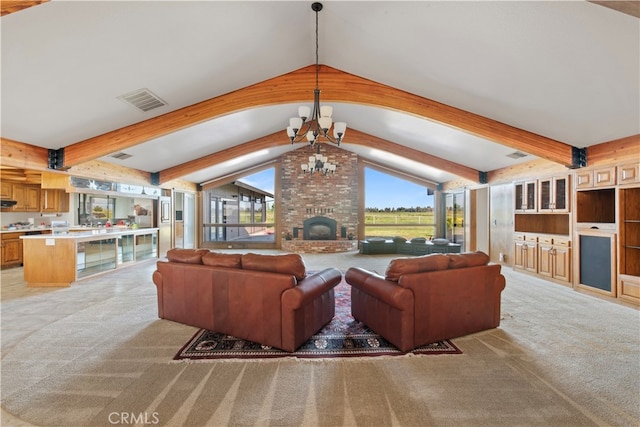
(185, 220)
(454, 219)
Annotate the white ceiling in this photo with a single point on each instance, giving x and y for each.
(566, 70)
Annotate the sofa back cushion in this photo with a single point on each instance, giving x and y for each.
(292, 264)
(186, 256)
(399, 266)
(216, 259)
(468, 259)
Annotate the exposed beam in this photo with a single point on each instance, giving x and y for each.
(268, 141)
(618, 150)
(360, 138)
(337, 86)
(11, 6)
(276, 139)
(21, 155)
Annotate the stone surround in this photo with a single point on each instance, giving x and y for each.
(306, 196)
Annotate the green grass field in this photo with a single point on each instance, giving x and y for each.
(404, 224)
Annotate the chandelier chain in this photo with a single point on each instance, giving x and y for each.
(317, 56)
(315, 123)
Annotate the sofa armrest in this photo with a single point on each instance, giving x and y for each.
(311, 287)
(501, 282)
(157, 280)
(376, 286)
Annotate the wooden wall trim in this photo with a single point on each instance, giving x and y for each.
(337, 86)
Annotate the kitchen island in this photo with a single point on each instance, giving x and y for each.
(61, 259)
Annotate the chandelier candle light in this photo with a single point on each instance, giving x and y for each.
(317, 123)
(318, 163)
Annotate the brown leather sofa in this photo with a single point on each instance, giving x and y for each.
(268, 299)
(422, 300)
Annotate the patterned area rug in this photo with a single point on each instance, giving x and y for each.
(342, 337)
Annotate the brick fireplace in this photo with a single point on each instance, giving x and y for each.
(327, 205)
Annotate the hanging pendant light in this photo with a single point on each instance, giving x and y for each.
(317, 123)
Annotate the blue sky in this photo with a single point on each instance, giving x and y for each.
(381, 190)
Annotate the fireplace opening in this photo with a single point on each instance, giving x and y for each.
(319, 228)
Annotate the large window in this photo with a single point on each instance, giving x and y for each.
(239, 211)
(397, 207)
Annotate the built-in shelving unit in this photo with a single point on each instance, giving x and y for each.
(542, 226)
(629, 266)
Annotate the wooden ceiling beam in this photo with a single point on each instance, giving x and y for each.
(360, 138)
(354, 137)
(268, 141)
(21, 155)
(12, 6)
(295, 87)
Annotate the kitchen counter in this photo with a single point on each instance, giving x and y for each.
(73, 228)
(61, 259)
(84, 232)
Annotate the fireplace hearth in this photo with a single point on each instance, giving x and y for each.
(319, 228)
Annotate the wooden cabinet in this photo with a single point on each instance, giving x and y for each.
(553, 194)
(593, 178)
(5, 190)
(525, 196)
(554, 258)
(629, 255)
(27, 197)
(53, 201)
(11, 249)
(526, 253)
(629, 173)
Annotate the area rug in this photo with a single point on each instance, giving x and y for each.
(342, 337)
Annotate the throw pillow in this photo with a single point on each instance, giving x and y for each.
(399, 239)
(440, 241)
(186, 256)
(216, 259)
(468, 259)
(376, 240)
(419, 240)
(292, 264)
(399, 266)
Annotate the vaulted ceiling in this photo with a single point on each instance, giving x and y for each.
(439, 90)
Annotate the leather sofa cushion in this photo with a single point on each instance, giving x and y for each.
(399, 266)
(292, 264)
(216, 259)
(186, 256)
(468, 259)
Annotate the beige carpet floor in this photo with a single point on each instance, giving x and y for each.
(95, 354)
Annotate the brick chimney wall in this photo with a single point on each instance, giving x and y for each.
(305, 196)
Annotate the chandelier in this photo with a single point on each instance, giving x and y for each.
(318, 163)
(317, 123)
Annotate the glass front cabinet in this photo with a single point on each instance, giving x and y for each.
(525, 196)
(553, 194)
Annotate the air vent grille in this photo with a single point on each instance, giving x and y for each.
(517, 155)
(143, 99)
(121, 156)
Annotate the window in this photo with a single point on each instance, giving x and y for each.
(240, 211)
(397, 207)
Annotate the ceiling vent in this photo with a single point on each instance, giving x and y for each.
(121, 156)
(517, 155)
(143, 99)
